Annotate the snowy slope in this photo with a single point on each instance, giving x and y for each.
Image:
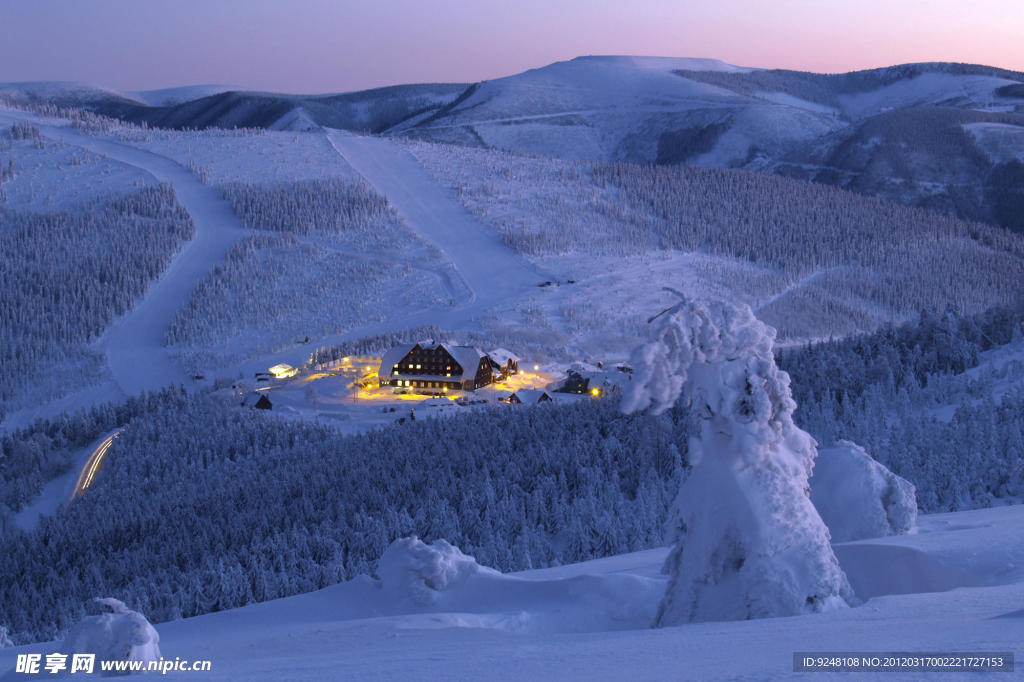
(134, 344)
(168, 96)
(66, 93)
(588, 107)
(473, 249)
(955, 586)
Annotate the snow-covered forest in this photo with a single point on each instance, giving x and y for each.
(546, 486)
(247, 155)
(515, 488)
(852, 262)
(332, 205)
(326, 255)
(905, 395)
(66, 275)
(33, 455)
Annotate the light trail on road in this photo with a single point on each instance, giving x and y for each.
(93, 464)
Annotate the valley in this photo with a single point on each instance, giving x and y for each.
(205, 284)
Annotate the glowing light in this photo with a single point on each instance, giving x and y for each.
(283, 371)
(536, 368)
(94, 464)
(595, 392)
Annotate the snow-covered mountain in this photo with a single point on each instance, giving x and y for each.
(154, 275)
(66, 93)
(942, 135)
(917, 133)
(164, 97)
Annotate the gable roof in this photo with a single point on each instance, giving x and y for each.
(468, 357)
(503, 355)
(392, 358)
(531, 396)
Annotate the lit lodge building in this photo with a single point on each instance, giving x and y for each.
(435, 368)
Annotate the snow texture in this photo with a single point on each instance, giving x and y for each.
(120, 635)
(413, 570)
(748, 541)
(859, 498)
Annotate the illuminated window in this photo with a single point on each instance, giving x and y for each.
(419, 366)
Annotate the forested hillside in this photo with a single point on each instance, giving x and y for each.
(65, 276)
(183, 519)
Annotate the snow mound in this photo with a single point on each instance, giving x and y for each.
(907, 570)
(858, 498)
(418, 572)
(418, 579)
(121, 635)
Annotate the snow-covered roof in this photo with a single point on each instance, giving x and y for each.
(468, 357)
(503, 355)
(392, 358)
(531, 396)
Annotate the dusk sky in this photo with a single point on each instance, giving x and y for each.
(314, 46)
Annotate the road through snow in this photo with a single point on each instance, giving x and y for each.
(491, 270)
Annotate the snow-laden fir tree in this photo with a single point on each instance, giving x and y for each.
(747, 542)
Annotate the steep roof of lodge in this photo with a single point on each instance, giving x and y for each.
(502, 356)
(392, 358)
(468, 358)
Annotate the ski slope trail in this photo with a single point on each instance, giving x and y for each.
(134, 343)
(491, 270)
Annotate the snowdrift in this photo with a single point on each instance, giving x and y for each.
(858, 498)
(438, 578)
(120, 635)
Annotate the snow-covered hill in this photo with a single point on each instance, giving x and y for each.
(65, 93)
(893, 132)
(170, 96)
(956, 585)
(896, 132)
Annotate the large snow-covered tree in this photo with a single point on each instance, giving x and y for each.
(748, 543)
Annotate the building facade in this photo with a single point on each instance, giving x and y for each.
(435, 368)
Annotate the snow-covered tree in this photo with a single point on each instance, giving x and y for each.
(122, 634)
(748, 543)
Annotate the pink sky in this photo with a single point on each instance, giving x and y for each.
(338, 45)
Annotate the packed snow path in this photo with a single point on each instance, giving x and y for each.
(490, 269)
(134, 343)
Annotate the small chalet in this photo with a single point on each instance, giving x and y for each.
(575, 383)
(529, 396)
(504, 362)
(434, 368)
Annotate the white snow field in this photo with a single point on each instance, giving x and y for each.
(955, 586)
(491, 270)
(615, 108)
